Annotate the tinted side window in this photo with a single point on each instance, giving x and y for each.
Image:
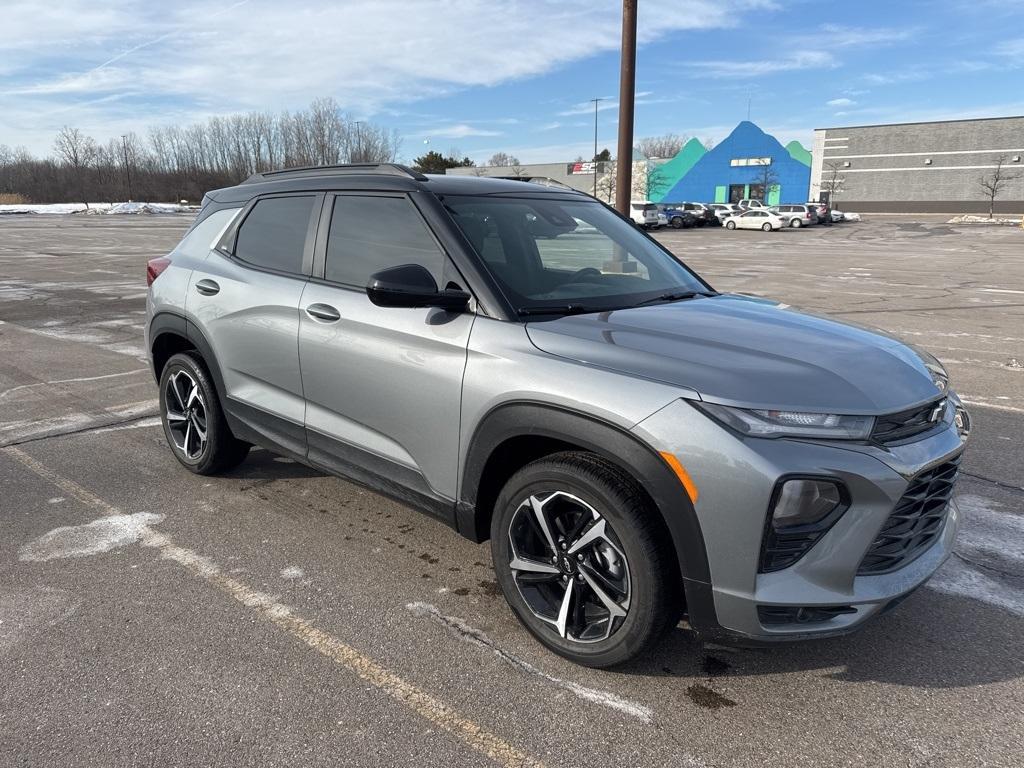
(369, 234)
(273, 235)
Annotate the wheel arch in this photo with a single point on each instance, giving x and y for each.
(513, 434)
(170, 333)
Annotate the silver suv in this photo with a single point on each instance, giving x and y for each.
(523, 364)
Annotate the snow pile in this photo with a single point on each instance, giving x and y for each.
(64, 209)
(973, 219)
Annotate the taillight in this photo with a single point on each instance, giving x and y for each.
(154, 268)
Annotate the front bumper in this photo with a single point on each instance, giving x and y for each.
(735, 477)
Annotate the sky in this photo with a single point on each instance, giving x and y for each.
(483, 76)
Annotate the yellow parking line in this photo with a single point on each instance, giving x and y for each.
(366, 668)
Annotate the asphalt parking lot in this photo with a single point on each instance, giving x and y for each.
(276, 616)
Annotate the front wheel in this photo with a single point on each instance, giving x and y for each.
(193, 421)
(582, 559)
(730, 225)
(766, 227)
(796, 223)
(676, 222)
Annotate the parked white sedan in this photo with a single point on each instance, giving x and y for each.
(759, 219)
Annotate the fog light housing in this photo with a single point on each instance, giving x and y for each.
(802, 510)
(962, 420)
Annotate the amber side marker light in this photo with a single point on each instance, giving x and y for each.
(683, 475)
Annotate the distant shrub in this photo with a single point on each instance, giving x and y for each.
(9, 198)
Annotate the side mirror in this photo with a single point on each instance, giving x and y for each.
(412, 285)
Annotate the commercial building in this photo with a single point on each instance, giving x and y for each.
(733, 170)
(920, 167)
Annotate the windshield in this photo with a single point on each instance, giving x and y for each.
(567, 255)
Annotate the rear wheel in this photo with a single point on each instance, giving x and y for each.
(796, 223)
(193, 420)
(676, 222)
(581, 560)
(766, 227)
(730, 225)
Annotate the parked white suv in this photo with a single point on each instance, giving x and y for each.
(748, 204)
(644, 213)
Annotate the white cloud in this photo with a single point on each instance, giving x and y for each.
(1013, 49)
(837, 36)
(752, 69)
(458, 131)
(843, 102)
(368, 54)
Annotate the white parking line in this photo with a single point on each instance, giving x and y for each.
(282, 616)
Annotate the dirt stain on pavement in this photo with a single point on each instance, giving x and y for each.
(703, 696)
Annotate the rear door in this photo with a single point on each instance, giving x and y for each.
(245, 301)
(383, 385)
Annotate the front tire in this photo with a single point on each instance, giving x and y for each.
(796, 224)
(766, 227)
(193, 420)
(582, 561)
(730, 225)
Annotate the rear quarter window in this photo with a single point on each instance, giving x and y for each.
(202, 238)
(273, 235)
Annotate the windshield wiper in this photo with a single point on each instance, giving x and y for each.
(678, 296)
(564, 309)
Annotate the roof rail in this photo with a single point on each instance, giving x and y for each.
(390, 169)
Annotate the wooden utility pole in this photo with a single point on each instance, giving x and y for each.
(627, 93)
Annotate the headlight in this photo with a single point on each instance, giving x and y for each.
(935, 368)
(770, 423)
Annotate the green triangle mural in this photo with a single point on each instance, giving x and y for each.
(665, 176)
(797, 152)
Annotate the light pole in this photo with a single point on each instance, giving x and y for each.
(627, 92)
(359, 141)
(596, 102)
(127, 168)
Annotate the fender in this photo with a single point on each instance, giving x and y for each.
(530, 419)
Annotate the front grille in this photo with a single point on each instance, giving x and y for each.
(893, 427)
(915, 522)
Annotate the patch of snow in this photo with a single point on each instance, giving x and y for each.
(93, 538)
(972, 219)
(64, 209)
(292, 572)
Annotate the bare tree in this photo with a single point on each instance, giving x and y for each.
(992, 183)
(479, 170)
(606, 182)
(831, 180)
(517, 170)
(662, 146)
(649, 181)
(78, 152)
(709, 144)
(501, 159)
(766, 178)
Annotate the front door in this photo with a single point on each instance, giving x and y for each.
(383, 385)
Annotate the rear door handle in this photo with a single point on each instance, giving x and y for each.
(207, 287)
(323, 312)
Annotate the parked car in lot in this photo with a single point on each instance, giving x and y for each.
(836, 216)
(749, 204)
(795, 215)
(851, 216)
(822, 211)
(644, 214)
(635, 445)
(756, 220)
(701, 212)
(723, 211)
(678, 218)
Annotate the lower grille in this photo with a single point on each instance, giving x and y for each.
(915, 522)
(791, 614)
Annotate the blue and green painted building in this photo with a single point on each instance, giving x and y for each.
(732, 169)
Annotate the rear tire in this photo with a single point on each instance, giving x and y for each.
(766, 227)
(676, 222)
(796, 223)
(193, 420)
(594, 581)
(730, 225)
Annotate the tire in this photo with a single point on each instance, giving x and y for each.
(796, 223)
(730, 225)
(676, 222)
(188, 397)
(766, 227)
(631, 552)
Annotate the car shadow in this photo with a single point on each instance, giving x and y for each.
(261, 464)
(932, 640)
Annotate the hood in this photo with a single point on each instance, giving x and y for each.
(737, 350)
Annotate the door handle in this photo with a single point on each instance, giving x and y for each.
(207, 287)
(323, 312)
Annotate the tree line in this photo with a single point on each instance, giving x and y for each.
(183, 162)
